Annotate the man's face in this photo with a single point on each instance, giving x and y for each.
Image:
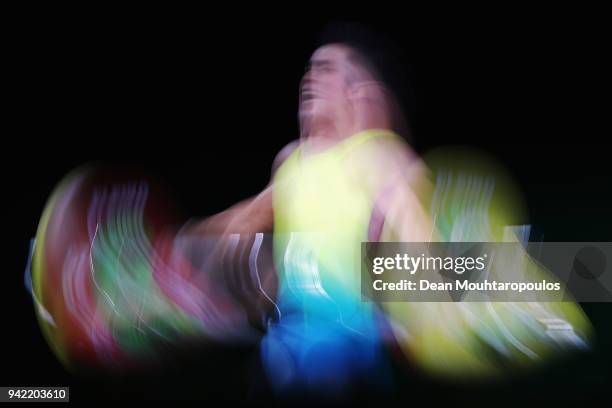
(324, 89)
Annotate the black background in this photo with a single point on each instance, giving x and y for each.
(204, 102)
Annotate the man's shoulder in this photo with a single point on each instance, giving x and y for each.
(284, 154)
(379, 161)
(381, 146)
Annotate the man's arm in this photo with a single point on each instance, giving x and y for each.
(252, 215)
(399, 212)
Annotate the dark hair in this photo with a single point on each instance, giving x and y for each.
(380, 54)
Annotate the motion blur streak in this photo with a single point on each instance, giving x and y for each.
(113, 279)
(118, 290)
(470, 340)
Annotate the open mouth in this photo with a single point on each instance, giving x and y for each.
(307, 94)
